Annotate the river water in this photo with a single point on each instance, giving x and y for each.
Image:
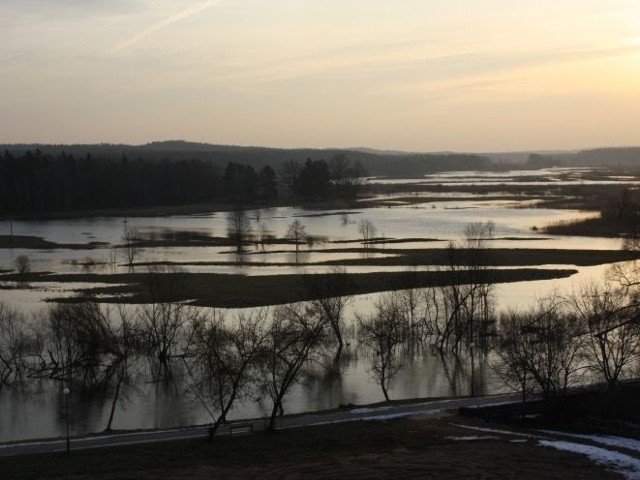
(36, 409)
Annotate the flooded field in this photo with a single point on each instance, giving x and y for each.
(94, 245)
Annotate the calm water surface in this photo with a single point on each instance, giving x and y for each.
(36, 410)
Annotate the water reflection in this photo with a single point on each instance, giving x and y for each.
(35, 408)
(40, 412)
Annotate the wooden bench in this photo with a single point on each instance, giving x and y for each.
(241, 428)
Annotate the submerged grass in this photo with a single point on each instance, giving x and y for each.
(239, 291)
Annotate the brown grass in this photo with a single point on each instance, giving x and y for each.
(410, 448)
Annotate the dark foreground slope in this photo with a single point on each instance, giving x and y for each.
(409, 448)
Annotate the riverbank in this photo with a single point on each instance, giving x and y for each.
(589, 409)
(444, 446)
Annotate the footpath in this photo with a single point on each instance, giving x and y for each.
(355, 414)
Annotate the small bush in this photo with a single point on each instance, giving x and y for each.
(23, 264)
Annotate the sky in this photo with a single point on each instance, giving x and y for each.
(463, 75)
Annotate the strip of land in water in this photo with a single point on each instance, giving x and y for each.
(240, 291)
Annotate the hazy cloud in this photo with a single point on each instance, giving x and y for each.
(190, 11)
(409, 74)
(78, 6)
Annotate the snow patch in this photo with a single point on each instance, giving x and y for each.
(609, 440)
(370, 418)
(493, 430)
(626, 465)
(472, 438)
(369, 410)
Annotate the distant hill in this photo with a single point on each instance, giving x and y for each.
(377, 162)
(602, 157)
(390, 163)
(521, 158)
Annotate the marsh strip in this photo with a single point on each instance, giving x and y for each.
(38, 243)
(239, 291)
(398, 257)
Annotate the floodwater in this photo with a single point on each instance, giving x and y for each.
(442, 221)
(554, 176)
(36, 409)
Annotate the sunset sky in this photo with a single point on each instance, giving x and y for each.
(464, 75)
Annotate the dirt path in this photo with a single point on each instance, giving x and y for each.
(416, 442)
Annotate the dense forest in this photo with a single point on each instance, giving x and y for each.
(50, 178)
(376, 162)
(37, 182)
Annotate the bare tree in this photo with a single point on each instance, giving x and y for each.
(513, 353)
(163, 328)
(611, 321)
(294, 334)
(81, 344)
(549, 343)
(124, 348)
(264, 235)
(367, 231)
(467, 313)
(331, 298)
(129, 246)
(13, 345)
(297, 233)
(385, 331)
(84, 344)
(239, 228)
(23, 264)
(222, 358)
(481, 318)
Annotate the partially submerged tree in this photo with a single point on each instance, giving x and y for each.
(544, 344)
(125, 348)
(163, 330)
(239, 228)
(467, 313)
(82, 345)
(331, 299)
(297, 233)
(385, 331)
(295, 332)
(14, 345)
(129, 246)
(23, 264)
(367, 231)
(223, 360)
(610, 320)
(513, 354)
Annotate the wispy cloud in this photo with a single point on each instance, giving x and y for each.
(176, 17)
(420, 68)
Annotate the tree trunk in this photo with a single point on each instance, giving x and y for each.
(113, 405)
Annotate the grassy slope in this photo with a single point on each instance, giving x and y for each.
(390, 449)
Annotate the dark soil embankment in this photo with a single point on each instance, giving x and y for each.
(407, 448)
(588, 410)
(590, 227)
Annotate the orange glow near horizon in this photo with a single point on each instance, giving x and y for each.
(414, 75)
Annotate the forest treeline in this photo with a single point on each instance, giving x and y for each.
(376, 162)
(34, 182)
